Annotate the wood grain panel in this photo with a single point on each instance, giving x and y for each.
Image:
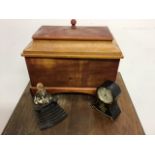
(71, 72)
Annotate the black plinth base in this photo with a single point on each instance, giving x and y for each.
(112, 111)
(49, 115)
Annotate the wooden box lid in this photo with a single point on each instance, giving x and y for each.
(73, 42)
(72, 33)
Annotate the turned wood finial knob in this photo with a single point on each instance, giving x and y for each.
(73, 22)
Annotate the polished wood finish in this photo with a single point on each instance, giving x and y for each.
(73, 49)
(82, 119)
(79, 58)
(55, 90)
(70, 33)
(71, 72)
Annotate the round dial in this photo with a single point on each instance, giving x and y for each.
(105, 95)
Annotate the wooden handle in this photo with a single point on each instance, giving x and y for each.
(73, 22)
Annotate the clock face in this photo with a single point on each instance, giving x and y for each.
(105, 95)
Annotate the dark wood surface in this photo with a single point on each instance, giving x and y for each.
(69, 33)
(82, 119)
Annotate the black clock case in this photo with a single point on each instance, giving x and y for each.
(111, 110)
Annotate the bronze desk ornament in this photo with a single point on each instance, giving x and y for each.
(49, 113)
(42, 97)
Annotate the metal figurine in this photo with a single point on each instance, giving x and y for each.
(42, 97)
(48, 112)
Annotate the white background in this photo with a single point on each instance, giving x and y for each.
(135, 38)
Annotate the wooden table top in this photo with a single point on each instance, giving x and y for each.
(81, 119)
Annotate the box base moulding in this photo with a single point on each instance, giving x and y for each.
(55, 90)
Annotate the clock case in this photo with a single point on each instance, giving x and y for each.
(111, 110)
(72, 58)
